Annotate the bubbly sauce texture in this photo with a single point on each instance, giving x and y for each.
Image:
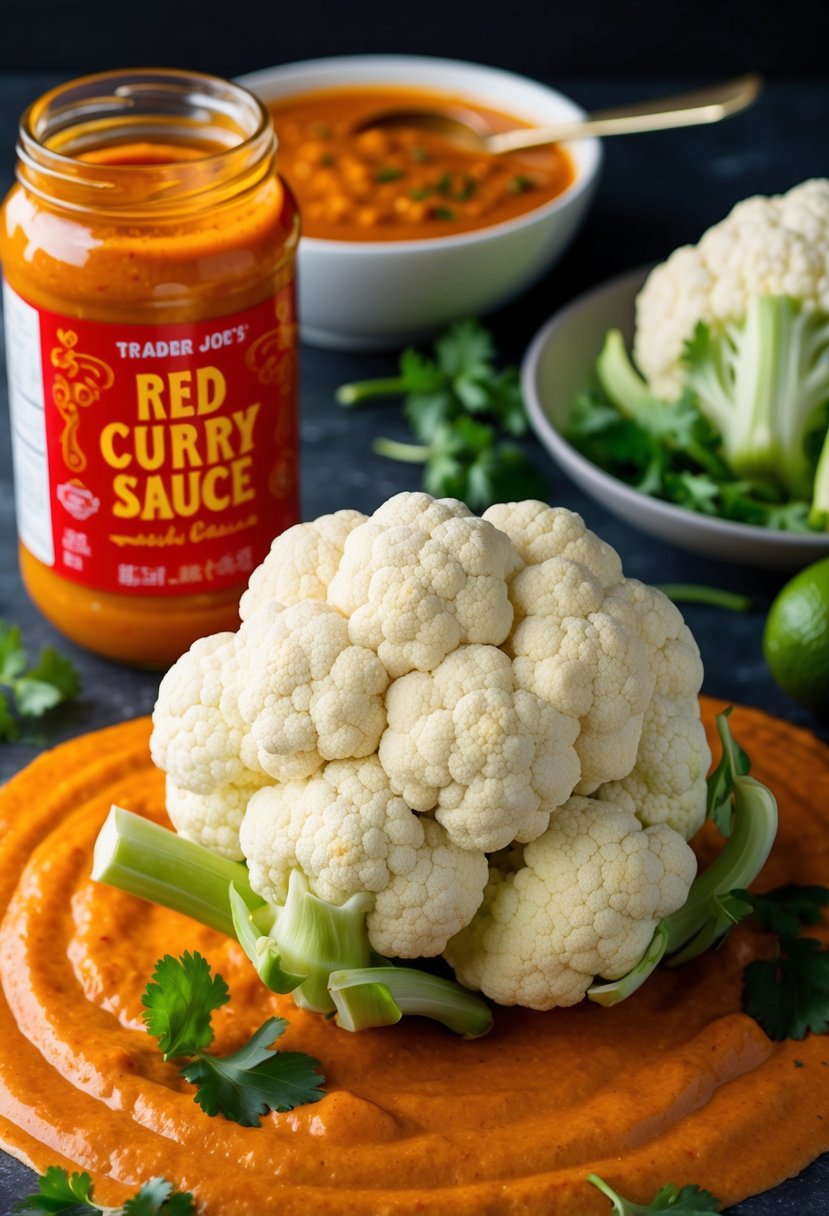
(676, 1084)
(404, 183)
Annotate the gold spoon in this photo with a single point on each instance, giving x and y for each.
(464, 127)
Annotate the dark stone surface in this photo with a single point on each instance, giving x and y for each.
(657, 192)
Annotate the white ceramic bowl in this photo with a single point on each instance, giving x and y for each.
(559, 362)
(374, 295)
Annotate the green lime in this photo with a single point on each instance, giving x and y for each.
(796, 637)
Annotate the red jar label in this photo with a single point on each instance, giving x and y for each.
(153, 459)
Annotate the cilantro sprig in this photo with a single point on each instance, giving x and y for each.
(788, 994)
(33, 689)
(669, 1198)
(58, 1191)
(243, 1086)
(465, 413)
(669, 450)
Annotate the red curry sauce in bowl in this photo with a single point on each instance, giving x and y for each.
(404, 183)
(401, 235)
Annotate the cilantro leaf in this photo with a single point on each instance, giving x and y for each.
(503, 474)
(667, 1199)
(465, 347)
(427, 412)
(789, 994)
(250, 1082)
(179, 1001)
(13, 656)
(670, 449)
(785, 910)
(55, 669)
(34, 696)
(419, 374)
(458, 405)
(158, 1198)
(243, 1086)
(42, 687)
(506, 401)
(58, 1192)
(9, 728)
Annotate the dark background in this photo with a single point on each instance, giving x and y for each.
(552, 39)
(656, 192)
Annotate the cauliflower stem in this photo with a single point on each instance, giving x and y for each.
(318, 951)
(764, 383)
(705, 918)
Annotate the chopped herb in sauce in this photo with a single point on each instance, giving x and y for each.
(383, 183)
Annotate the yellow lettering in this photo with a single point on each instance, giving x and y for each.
(179, 383)
(108, 434)
(212, 500)
(210, 389)
(184, 446)
(128, 507)
(245, 421)
(217, 432)
(156, 502)
(149, 388)
(242, 489)
(186, 503)
(149, 455)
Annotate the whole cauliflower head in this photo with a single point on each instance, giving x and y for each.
(582, 902)
(775, 246)
(422, 698)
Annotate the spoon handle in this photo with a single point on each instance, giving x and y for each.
(706, 105)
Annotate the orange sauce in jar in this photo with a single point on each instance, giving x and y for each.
(401, 182)
(148, 253)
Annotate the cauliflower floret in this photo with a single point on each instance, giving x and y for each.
(539, 531)
(348, 832)
(574, 642)
(766, 246)
(213, 820)
(667, 781)
(199, 737)
(585, 902)
(315, 697)
(422, 577)
(492, 758)
(302, 562)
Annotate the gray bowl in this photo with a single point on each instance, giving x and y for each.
(559, 362)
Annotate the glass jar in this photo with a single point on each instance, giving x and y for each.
(148, 253)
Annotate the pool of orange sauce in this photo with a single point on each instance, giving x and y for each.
(676, 1084)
